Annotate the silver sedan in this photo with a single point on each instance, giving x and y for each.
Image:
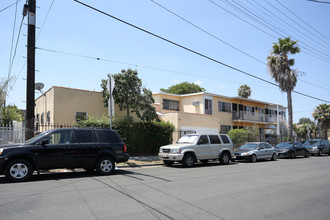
(254, 151)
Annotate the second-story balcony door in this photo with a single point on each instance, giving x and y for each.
(241, 109)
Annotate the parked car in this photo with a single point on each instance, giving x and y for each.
(318, 146)
(254, 151)
(195, 147)
(63, 148)
(291, 149)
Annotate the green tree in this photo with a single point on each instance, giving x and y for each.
(279, 67)
(183, 88)
(241, 136)
(130, 95)
(244, 91)
(4, 88)
(305, 121)
(11, 113)
(322, 116)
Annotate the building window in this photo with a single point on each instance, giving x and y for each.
(81, 116)
(224, 107)
(249, 109)
(224, 129)
(48, 117)
(42, 118)
(208, 106)
(170, 104)
(37, 118)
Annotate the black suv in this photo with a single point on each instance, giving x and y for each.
(85, 148)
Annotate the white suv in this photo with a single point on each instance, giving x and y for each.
(197, 147)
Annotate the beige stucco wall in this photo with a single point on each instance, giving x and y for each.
(69, 101)
(187, 106)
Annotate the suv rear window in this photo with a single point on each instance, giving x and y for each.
(84, 136)
(225, 139)
(214, 139)
(108, 137)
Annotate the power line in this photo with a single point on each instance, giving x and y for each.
(302, 20)
(9, 6)
(268, 25)
(12, 42)
(212, 35)
(138, 66)
(190, 50)
(296, 23)
(42, 26)
(311, 40)
(319, 1)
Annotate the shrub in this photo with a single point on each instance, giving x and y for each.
(139, 137)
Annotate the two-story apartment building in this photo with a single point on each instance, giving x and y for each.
(211, 113)
(199, 112)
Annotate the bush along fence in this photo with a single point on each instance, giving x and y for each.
(139, 137)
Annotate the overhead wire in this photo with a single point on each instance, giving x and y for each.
(270, 26)
(138, 66)
(311, 41)
(302, 20)
(48, 12)
(212, 35)
(12, 42)
(297, 24)
(9, 6)
(207, 32)
(249, 23)
(192, 51)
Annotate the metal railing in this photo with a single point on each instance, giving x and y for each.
(258, 117)
(12, 134)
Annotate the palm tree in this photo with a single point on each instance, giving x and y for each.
(279, 67)
(244, 91)
(322, 115)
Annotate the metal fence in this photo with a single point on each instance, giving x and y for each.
(12, 134)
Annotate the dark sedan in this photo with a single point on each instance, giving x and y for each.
(291, 150)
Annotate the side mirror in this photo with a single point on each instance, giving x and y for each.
(44, 142)
(258, 148)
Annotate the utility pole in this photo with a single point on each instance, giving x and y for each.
(30, 79)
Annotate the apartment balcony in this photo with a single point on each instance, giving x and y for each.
(255, 117)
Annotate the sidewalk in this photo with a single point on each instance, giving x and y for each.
(137, 161)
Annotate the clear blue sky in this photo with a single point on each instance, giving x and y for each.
(73, 28)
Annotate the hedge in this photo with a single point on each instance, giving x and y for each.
(140, 137)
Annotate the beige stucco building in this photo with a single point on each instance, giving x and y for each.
(61, 106)
(199, 112)
(211, 113)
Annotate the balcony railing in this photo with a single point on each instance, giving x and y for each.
(258, 117)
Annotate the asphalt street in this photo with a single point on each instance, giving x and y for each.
(284, 189)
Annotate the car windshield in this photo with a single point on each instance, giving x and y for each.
(248, 147)
(284, 144)
(37, 138)
(311, 142)
(188, 139)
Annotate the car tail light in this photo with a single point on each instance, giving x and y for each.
(125, 148)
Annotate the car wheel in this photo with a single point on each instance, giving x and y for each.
(224, 158)
(168, 163)
(275, 158)
(329, 152)
(188, 160)
(293, 155)
(253, 158)
(105, 166)
(18, 170)
(204, 162)
(306, 153)
(320, 152)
